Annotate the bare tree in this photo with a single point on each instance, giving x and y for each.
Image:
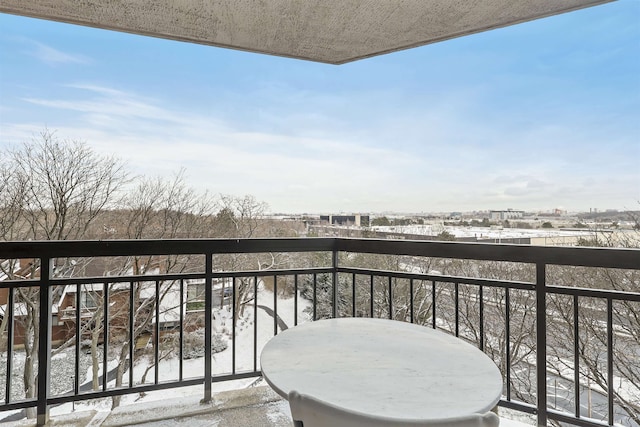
(159, 208)
(162, 209)
(12, 204)
(592, 337)
(64, 186)
(12, 201)
(68, 185)
(240, 217)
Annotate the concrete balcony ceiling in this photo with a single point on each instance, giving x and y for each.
(331, 31)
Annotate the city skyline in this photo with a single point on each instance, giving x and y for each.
(536, 116)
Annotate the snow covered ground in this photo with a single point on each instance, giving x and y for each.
(194, 368)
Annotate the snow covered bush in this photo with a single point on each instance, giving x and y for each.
(194, 343)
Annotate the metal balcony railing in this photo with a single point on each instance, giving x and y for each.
(513, 314)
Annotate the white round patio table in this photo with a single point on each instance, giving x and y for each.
(382, 368)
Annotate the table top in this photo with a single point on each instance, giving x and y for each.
(382, 367)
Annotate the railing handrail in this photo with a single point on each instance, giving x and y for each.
(95, 248)
(628, 258)
(625, 258)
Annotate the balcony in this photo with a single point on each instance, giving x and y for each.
(256, 406)
(560, 323)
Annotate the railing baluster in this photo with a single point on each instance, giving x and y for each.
(44, 349)
(576, 356)
(411, 300)
(315, 296)
(105, 334)
(610, 359)
(456, 287)
(208, 326)
(156, 341)
(481, 308)
(371, 295)
(275, 305)
(234, 297)
(132, 322)
(353, 294)
(255, 323)
(390, 299)
(541, 343)
(181, 332)
(372, 285)
(334, 284)
(507, 339)
(11, 312)
(78, 303)
(433, 304)
(295, 300)
(10, 327)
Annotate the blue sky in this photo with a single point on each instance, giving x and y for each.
(536, 116)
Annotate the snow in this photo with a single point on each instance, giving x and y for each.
(481, 232)
(506, 422)
(279, 413)
(626, 389)
(194, 368)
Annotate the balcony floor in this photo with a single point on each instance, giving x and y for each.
(252, 407)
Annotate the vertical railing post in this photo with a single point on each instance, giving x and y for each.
(44, 342)
(208, 325)
(234, 301)
(610, 402)
(11, 312)
(105, 335)
(576, 356)
(507, 333)
(541, 343)
(334, 282)
(275, 305)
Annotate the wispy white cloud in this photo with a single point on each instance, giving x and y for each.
(418, 159)
(288, 171)
(52, 56)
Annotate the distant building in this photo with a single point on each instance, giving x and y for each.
(356, 219)
(503, 215)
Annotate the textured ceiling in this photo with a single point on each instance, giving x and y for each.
(332, 31)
